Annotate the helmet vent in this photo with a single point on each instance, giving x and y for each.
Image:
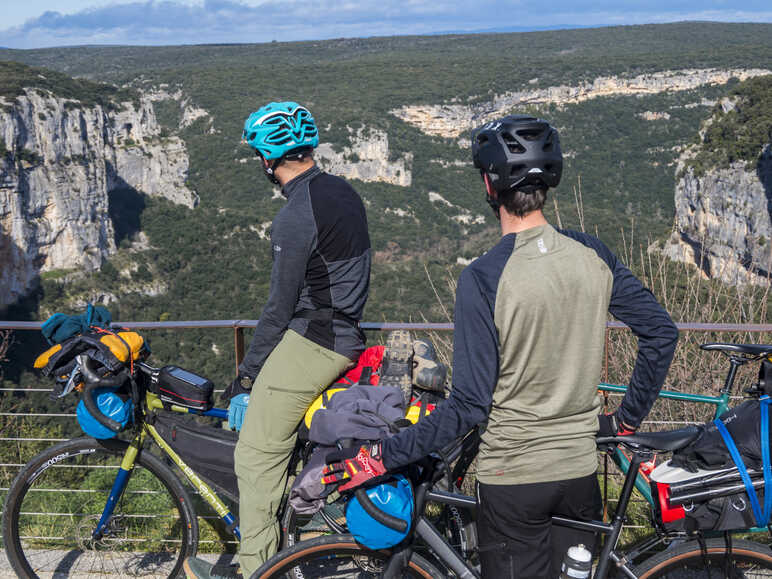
(512, 144)
(530, 134)
(516, 169)
(549, 143)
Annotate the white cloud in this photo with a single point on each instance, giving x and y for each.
(191, 22)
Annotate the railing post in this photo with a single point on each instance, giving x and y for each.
(605, 409)
(605, 355)
(238, 345)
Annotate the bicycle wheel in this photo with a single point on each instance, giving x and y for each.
(339, 557)
(456, 524)
(56, 500)
(748, 559)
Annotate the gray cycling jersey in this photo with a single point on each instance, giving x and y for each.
(321, 269)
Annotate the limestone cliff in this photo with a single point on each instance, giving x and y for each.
(367, 159)
(59, 160)
(452, 119)
(724, 220)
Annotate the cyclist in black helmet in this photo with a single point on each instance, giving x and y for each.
(530, 322)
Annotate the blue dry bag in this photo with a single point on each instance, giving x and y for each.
(112, 406)
(394, 497)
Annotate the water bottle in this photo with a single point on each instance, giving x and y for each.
(577, 563)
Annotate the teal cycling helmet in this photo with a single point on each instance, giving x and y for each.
(395, 498)
(279, 129)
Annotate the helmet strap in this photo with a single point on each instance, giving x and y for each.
(270, 168)
(491, 196)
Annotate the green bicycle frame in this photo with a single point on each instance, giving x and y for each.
(623, 463)
(127, 466)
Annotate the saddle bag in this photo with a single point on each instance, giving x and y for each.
(180, 387)
(717, 483)
(709, 452)
(703, 501)
(206, 449)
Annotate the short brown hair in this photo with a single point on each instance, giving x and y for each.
(520, 203)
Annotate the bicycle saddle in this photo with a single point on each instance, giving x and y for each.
(668, 441)
(750, 349)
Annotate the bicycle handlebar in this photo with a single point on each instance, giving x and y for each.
(382, 517)
(93, 381)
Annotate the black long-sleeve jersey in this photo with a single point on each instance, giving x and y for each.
(529, 330)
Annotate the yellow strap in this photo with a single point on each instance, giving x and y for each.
(320, 403)
(43, 359)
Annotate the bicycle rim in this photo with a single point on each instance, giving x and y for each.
(748, 560)
(339, 557)
(297, 527)
(56, 501)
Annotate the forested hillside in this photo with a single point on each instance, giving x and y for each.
(212, 262)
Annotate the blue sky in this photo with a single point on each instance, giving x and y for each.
(43, 23)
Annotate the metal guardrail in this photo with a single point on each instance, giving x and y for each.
(238, 328)
(240, 325)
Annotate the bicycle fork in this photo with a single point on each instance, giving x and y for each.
(119, 485)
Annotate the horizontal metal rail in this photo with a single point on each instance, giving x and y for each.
(239, 326)
(376, 326)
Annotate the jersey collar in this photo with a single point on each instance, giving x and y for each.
(298, 182)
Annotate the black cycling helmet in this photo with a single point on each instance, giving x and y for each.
(518, 152)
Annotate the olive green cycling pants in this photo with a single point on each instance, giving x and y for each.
(293, 375)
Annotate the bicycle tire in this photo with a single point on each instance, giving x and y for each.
(339, 556)
(749, 559)
(50, 532)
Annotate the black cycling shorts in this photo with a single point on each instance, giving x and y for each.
(517, 538)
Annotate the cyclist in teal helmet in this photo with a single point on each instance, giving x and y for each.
(308, 332)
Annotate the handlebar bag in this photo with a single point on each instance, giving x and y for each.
(120, 409)
(109, 350)
(180, 387)
(206, 449)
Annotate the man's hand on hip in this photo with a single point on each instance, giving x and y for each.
(612, 425)
(353, 466)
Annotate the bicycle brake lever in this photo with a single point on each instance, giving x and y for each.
(71, 383)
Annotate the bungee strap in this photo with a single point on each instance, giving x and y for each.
(762, 518)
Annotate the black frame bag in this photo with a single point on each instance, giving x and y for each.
(208, 450)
